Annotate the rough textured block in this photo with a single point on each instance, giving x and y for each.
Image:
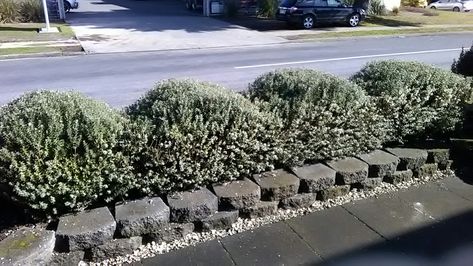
(333, 192)
(115, 248)
(445, 165)
(349, 170)
(171, 232)
(438, 155)
(191, 206)
(380, 163)
(277, 185)
(371, 183)
(315, 177)
(140, 217)
(426, 170)
(410, 158)
(27, 246)
(399, 176)
(219, 220)
(85, 230)
(237, 194)
(66, 259)
(298, 201)
(261, 209)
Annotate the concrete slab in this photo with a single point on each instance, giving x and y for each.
(126, 25)
(274, 244)
(333, 232)
(425, 199)
(27, 246)
(208, 253)
(388, 215)
(458, 187)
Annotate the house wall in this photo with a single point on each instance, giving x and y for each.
(391, 4)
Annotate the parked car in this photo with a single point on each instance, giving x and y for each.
(70, 4)
(307, 13)
(454, 5)
(194, 4)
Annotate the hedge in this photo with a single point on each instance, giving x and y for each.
(417, 100)
(323, 116)
(201, 133)
(59, 152)
(464, 64)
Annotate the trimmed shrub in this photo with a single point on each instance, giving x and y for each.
(201, 133)
(268, 8)
(417, 100)
(31, 11)
(9, 11)
(323, 116)
(376, 8)
(59, 152)
(464, 64)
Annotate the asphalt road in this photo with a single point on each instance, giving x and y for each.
(121, 78)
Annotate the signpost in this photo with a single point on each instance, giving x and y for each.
(46, 17)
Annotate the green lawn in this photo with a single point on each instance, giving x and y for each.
(20, 32)
(421, 17)
(24, 32)
(374, 32)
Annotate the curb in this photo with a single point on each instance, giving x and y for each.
(39, 55)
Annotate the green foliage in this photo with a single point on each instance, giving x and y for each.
(231, 7)
(464, 64)
(323, 116)
(31, 11)
(414, 3)
(416, 99)
(268, 8)
(60, 152)
(8, 11)
(201, 133)
(376, 8)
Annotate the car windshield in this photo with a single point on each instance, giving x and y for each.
(288, 3)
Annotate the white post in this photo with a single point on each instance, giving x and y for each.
(46, 16)
(62, 12)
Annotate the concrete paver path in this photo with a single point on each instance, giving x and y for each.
(418, 226)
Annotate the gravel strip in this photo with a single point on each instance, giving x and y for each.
(152, 249)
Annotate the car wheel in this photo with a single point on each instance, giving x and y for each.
(308, 22)
(456, 9)
(67, 7)
(433, 7)
(354, 20)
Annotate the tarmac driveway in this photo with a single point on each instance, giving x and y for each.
(106, 26)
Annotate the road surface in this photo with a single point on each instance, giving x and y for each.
(121, 78)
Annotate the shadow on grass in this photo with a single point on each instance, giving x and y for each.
(27, 29)
(391, 22)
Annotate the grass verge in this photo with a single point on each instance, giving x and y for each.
(23, 32)
(386, 32)
(421, 17)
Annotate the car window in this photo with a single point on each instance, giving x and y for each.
(333, 3)
(305, 2)
(320, 2)
(288, 3)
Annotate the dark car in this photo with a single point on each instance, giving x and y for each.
(307, 13)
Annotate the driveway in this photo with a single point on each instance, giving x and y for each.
(106, 26)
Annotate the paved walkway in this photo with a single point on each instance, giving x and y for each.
(426, 225)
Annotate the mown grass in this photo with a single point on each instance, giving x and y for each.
(420, 17)
(22, 32)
